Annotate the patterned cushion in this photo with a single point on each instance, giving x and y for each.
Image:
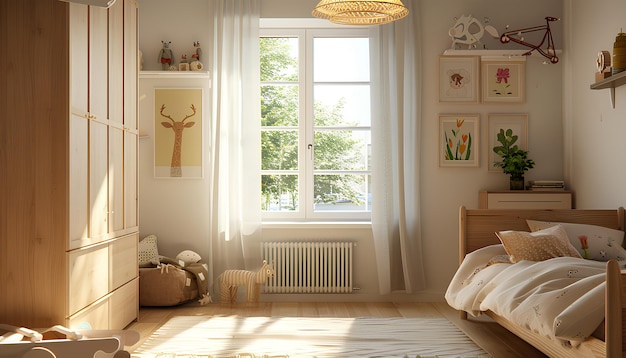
(593, 242)
(537, 246)
(148, 251)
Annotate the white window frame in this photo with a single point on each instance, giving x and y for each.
(306, 30)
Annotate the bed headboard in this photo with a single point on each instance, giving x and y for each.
(477, 227)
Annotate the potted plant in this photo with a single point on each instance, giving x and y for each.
(514, 160)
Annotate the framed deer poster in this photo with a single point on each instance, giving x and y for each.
(178, 133)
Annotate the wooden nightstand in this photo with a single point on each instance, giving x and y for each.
(525, 199)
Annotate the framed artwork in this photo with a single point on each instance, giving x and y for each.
(459, 79)
(459, 143)
(503, 80)
(518, 123)
(178, 126)
(183, 66)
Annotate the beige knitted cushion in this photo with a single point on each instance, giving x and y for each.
(537, 246)
(148, 251)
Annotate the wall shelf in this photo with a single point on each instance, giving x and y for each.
(611, 83)
(505, 53)
(174, 74)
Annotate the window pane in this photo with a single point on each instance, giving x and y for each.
(342, 193)
(342, 105)
(279, 150)
(279, 193)
(341, 60)
(279, 105)
(279, 59)
(341, 150)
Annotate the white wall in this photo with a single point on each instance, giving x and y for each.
(444, 189)
(594, 145)
(175, 210)
(181, 22)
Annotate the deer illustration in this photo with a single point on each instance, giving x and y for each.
(177, 127)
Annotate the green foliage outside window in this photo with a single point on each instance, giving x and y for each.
(335, 149)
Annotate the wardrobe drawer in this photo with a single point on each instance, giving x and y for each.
(123, 260)
(89, 270)
(124, 305)
(95, 316)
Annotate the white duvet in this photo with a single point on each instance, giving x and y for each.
(562, 298)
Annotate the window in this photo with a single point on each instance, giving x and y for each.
(315, 124)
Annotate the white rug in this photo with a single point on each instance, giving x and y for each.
(232, 336)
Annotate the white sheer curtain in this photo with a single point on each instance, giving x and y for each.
(235, 126)
(396, 125)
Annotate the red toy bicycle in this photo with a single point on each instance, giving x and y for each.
(516, 36)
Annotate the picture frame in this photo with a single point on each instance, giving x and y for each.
(178, 128)
(503, 81)
(184, 66)
(459, 79)
(496, 121)
(459, 140)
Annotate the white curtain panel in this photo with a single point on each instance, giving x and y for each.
(235, 144)
(396, 125)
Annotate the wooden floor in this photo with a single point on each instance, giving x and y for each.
(488, 335)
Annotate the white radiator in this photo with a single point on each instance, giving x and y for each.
(309, 267)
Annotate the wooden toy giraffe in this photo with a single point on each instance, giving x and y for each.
(177, 127)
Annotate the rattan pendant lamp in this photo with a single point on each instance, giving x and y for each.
(353, 12)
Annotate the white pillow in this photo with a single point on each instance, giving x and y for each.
(148, 251)
(601, 243)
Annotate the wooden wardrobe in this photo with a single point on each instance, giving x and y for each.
(68, 164)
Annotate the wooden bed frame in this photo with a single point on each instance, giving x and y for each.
(476, 230)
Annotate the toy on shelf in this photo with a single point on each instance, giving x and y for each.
(469, 31)
(166, 55)
(230, 280)
(619, 53)
(195, 64)
(516, 36)
(196, 56)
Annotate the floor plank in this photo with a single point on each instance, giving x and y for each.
(490, 336)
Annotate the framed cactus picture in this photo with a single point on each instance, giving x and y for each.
(459, 144)
(503, 81)
(514, 124)
(178, 133)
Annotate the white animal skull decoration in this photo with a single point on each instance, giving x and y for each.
(468, 31)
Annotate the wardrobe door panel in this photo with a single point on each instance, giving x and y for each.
(98, 63)
(98, 180)
(79, 59)
(130, 181)
(116, 180)
(79, 182)
(116, 62)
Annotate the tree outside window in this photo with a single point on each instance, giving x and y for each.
(315, 122)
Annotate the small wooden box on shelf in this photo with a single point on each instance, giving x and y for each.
(525, 199)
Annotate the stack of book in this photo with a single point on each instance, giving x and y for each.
(547, 185)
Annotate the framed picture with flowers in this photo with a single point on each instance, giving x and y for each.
(459, 79)
(515, 124)
(459, 143)
(503, 80)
